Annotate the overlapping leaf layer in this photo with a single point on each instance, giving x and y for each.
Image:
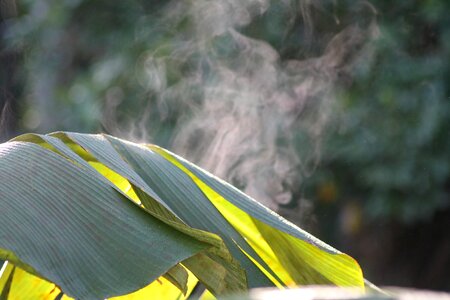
(96, 217)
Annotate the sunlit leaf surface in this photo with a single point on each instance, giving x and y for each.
(102, 217)
(296, 256)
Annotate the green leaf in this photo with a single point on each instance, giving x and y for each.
(293, 253)
(103, 217)
(219, 253)
(178, 192)
(76, 230)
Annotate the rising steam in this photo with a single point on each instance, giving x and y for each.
(243, 113)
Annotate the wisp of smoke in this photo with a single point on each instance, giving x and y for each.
(245, 114)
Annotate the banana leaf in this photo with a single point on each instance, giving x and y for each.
(94, 217)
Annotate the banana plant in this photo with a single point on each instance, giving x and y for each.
(87, 216)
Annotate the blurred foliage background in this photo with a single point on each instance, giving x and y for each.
(381, 191)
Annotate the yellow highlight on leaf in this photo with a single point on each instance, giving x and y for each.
(161, 289)
(122, 183)
(33, 287)
(293, 260)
